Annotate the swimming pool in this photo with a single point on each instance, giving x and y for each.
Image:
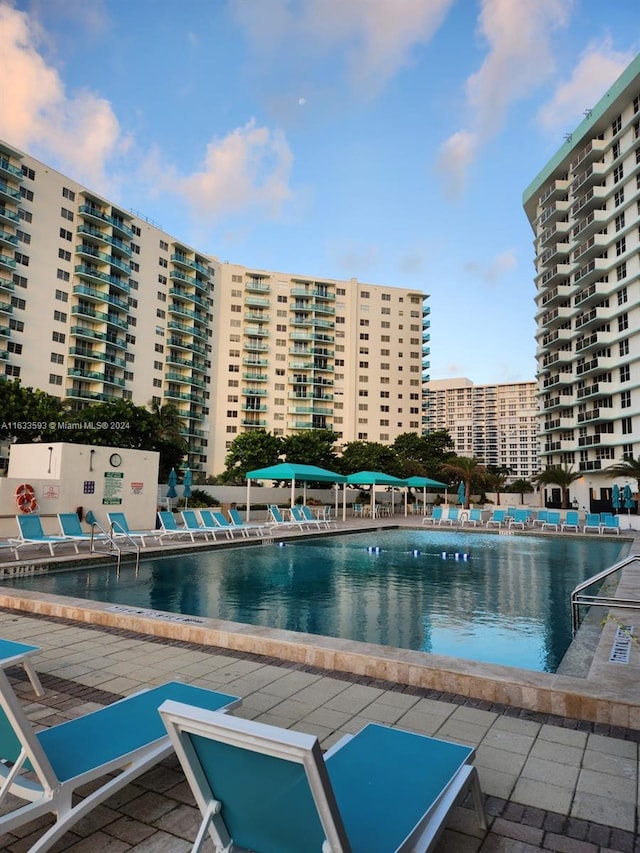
(506, 602)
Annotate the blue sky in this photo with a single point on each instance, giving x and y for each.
(387, 140)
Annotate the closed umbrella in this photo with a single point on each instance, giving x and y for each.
(628, 498)
(615, 496)
(186, 486)
(461, 493)
(171, 482)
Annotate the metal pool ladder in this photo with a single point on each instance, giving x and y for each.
(580, 599)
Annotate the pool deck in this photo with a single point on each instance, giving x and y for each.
(552, 781)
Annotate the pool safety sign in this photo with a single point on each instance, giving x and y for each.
(113, 481)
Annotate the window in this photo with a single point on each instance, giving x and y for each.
(615, 150)
(163, 262)
(234, 368)
(618, 198)
(625, 399)
(619, 222)
(57, 358)
(616, 125)
(160, 314)
(386, 297)
(364, 336)
(64, 255)
(23, 237)
(21, 259)
(60, 316)
(28, 173)
(66, 214)
(164, 246)
(622, 296)
(11, 370)
(26, 194)
(16, 302)
(25, 215)
(626, 426)
(62, 295)
(159, 348)
(625, 373)
(623, 322)
(12, 346)
(162, 279)
(621, 246)
(157, 383)
(624, 347)
(364, 294)
(236, 309)
(621, 271)
(63, 275)
(618, 173)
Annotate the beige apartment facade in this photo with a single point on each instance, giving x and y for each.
(498, 424)
(584, 209)
(100, 304)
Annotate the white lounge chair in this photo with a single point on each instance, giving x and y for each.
(47, 767)
(259, 787)
(31, 533)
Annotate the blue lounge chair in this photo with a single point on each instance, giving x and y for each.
(245, 526)
(278, 520)
(435, 517)
(541, 517)
(592, 522)
(13, 653)
(571, 521)
(47, 767)
(169, 528)
(498, 517)
(310, 523)
(214, 520)
(120, 527)
(610, 524)
(520, 518)
(194, 525)
(31, 533)
(475, 517)
(264, 788)
(323, 519)
(553, 521)
(71, 528)
(452, 516)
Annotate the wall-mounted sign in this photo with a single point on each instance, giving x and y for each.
(113, 481)
(137, 488)
(52, 493)
(89, 487)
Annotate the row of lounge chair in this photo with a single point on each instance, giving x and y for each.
(258, 787)
(526, 519)
(201, 524)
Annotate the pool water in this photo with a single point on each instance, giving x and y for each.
(503, 599)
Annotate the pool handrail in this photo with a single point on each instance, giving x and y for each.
(578, 599)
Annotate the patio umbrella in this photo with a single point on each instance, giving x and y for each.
(615, 496)
(627, 497)
(186, 485)
(171, 482)
(461, 493)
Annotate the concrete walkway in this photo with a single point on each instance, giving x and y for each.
(549, 783)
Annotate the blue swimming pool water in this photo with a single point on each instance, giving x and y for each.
(507, 603)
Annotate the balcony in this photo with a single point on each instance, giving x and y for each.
(106, 378)
(100, 296)
(593, 223)
(593, 271)
(257, 285)
(193, 331)
(558, 231)
(595, 340)
(255, 346)
(255, 423)
(9, 169)
(257, 302)
(553, 192)
(553, 212)
(8, 239)
(255, 332)
(7, 284)
(554, 275)
(94, 396)
(101, 236)
(255, 361)
(254, 392)
(590, 440)
(255, 377)
(178, 308)
(185, 379)
(9, 216)
(559, 293)
(180, 343)
(589, 177)
(95, 213)
(595, 197)
(6, 262)
(112, 260)
(591, 247)
(92, 273)
(8, 192)
(97, 355)
(591, 465)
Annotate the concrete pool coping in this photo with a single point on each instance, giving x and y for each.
(609, 694)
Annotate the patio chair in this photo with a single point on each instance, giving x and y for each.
(19, 654)
(244, 526)
(214, 520)
(278, 520)
(435, 517)
(195, 525)
(71, 528)
(310, 523)
(120, 528)
(610, 524)
(571, 521)
(498, 518)
(592, 522)
(553, 521)
(520, 518)
(453, 516)
(475, 517)
(31, 533)
(324, 519)
(264, 788)
(47, 767)
(541, 517)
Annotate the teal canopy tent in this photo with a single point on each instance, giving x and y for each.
(294, 473)
(373, 479)
(424, 483)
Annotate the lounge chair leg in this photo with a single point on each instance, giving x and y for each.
(476, 793)
(33, 678)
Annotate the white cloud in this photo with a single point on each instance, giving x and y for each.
(378, 36)
(498, 266)
(456, 155)
(598, 68)
(248, 168)
(519, 59)
(81, 131)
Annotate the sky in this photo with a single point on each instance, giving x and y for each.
(384, 140)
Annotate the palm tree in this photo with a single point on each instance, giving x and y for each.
(630, 468)
(466, 469)
(519, 487)
(562, 477)
(495, 478)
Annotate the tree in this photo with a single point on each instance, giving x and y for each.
(468, 469)
(495, 479)
(311, 447)
(423, 455)
(630, 468)
(562, 477)
(248, 452)
(28, 415)
(520, 487)
(369, 456)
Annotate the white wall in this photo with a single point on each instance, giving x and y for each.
(67, 476)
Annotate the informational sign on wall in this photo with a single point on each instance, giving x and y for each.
(52, 493)
(113, 481)
(137, 488)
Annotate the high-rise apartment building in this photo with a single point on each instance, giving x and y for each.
(498, 424)
(100, 304)
(584, 208)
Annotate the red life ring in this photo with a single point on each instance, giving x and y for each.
(26, 498)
